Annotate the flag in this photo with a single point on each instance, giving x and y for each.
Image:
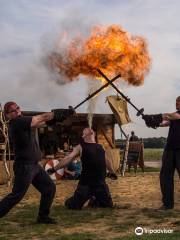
(119, 108)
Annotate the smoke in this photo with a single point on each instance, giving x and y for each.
(56, 43)
(92, 86)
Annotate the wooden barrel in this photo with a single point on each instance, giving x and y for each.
(113, 157)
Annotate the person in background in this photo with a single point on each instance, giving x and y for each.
(133, 137)
(66, 147)
(50, 142)
(73, 170)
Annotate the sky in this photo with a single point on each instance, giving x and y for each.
(28, 29)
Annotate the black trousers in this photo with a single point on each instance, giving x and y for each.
(170, 162)
(26, 174)
(99, 194)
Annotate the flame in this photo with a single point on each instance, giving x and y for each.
(111, 49)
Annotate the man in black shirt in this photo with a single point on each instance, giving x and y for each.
(92, 183)
(171, 157)
(26, 168)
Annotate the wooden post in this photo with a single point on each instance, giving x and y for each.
(125, 158)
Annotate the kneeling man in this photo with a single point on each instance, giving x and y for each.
(92, 185)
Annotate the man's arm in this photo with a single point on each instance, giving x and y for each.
(65, 161)
(71, 173)
(40, 120)
(171, 116)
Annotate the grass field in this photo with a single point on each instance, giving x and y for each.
(136, 200)
(153, 154)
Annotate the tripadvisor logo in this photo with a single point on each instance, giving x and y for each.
(139, 231)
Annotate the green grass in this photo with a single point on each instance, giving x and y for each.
(146, 169)
(171, 236)
(151, 154)
(78, 236)
(20, 224)
(93, 224)
(151, 169)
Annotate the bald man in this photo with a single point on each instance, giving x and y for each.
(92, 185)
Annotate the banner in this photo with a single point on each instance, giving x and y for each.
(119, 108)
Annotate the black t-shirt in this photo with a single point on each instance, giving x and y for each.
(173, 140)
(25, 145)
(93, 164)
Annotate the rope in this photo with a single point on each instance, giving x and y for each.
(4, 131)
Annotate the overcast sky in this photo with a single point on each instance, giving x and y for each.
(28, 28)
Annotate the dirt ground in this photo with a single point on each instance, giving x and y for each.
(136, 199)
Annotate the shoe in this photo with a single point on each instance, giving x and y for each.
(164, 208)
(46, 220)
(113, 176)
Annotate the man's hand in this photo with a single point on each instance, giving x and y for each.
(40, 120)
(50, 171)
(153, 121)
(61, 114)
(73, 173)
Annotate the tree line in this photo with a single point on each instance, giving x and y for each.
(154, 142)
(148, 142)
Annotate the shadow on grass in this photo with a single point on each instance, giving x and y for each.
(161, 215)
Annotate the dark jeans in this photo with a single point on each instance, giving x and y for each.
(26, 174)
(100, 193)
(170, 162)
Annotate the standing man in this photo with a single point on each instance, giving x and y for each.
(133, 137)
(26, 168)
(92, 183)
(171, 155)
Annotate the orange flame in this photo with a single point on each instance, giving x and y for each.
(109, 48)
